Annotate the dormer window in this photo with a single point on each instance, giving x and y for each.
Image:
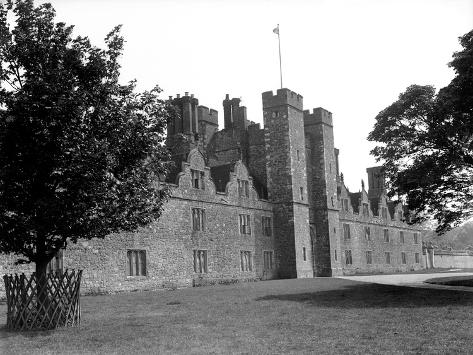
(197, 177)
(243, 188)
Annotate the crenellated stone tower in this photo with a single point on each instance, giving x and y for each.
(323, 174)
(287, 181)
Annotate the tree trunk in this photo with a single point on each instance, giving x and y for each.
(41, 286)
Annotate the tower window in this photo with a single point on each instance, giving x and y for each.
(369, 257)
(302, 193)
(304, 254)
(346, 231)
(298, 155)
(348, 259)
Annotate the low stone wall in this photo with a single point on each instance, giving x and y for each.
(453, 259)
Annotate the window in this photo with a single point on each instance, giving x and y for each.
(335, 254)
(198, 219)
(399, 215)
(387, 257)
(245, 260)
(298, 155)
(366, 212)
(384, 212)
(386, 235)
(55, 265)
(348, 260)
(268, 260)
(136, 263)
(197, 179)
(243, 188)
(416, 255)
(304, 254)
(416, 238)
(302, 193)
(245, 224)
(369, 257)
(266, 222)
(200, 261)
(367, 233)
(345, 204)
(346, 231)
(403, 258)
(401, 237)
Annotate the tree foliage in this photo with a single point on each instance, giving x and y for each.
(80, 154)
(427, 145)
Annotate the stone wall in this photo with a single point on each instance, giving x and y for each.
(453, 259)
(169, 243)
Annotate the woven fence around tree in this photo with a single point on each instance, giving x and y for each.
(50, 302)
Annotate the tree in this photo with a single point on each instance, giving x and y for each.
(427, 145)
(80, 154)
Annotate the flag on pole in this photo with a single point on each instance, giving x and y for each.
(276, 30)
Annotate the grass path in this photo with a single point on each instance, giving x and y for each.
(283, 316)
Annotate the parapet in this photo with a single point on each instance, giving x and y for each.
(282, 97)
(319, 115)
(208, 116)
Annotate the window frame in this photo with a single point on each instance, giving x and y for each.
(369, 257)
(346, 231)
(386, 235)
(348, 257)
(387, 257)
(267, 226)
(198, 219)
(136, 263)
(197, 178)
(403, 258)
(246, 261)
(245, 228)
(198, 267)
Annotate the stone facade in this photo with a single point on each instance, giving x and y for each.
(251, 203)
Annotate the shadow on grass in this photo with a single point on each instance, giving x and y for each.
(466, 281)
(378, 296)
(7, 333)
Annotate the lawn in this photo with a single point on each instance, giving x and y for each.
(322, 315)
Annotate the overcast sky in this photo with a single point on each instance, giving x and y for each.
(352, 58)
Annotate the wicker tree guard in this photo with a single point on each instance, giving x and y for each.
(53, 302)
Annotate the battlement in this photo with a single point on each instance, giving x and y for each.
(208, 116)
(282, 97)
(319, 115)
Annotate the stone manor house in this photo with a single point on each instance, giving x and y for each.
(251, 203)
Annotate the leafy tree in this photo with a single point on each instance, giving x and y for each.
(427, 145)
(80, 154)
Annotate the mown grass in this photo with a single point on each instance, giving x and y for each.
(284, 316)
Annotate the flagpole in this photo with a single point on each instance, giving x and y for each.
(280, 65)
